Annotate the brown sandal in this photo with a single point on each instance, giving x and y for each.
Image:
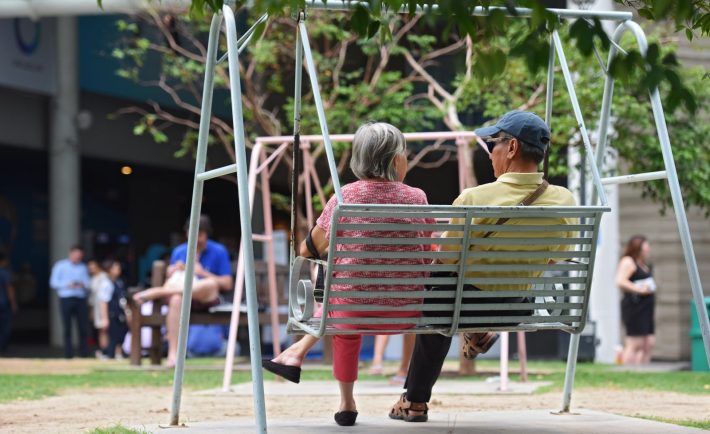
(477, 343)
(403, 410)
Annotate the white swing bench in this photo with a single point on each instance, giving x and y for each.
(558, 299)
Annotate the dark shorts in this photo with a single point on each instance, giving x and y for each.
(198, 306)
(637, 314)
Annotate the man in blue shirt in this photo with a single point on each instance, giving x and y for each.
(70, 278)
(213, 273)
(8, 302)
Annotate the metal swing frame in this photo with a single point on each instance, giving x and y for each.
(234, 48)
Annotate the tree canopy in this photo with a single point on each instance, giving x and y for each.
(369, 18)
(416, 81)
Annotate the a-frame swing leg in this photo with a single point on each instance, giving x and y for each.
(244, 213)
(599, 191)
(670, 172)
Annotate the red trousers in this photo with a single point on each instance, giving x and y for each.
(346, 355)
(346, 348)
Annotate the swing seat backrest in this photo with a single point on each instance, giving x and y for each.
(532, 273)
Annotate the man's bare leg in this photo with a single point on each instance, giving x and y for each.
(155, 293)
(204, 291)
(172, 324)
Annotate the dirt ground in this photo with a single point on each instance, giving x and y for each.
(75, 411)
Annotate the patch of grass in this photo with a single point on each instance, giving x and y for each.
(603, 376)
(595, 376)
(19, 386)
(702, 424)
(118, 429)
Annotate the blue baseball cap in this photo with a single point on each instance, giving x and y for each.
(525, 126)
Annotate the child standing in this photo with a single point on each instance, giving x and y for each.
(101, 291)
(116, 311)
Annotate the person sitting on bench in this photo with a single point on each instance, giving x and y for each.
(213, 273)
(516, 145)
(379, 160)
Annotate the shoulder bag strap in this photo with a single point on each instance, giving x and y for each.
(310, 246)
(530, 199)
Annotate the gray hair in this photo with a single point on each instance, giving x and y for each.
(374, 147)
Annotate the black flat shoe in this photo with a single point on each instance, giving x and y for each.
(345, 418)
(290, 373)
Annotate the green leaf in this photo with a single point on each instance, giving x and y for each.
(652, 53)
(158, 136)
(689, 34)
(360, 20)
(646, 13)
(372, 28)
(139, 129)
(580, 32)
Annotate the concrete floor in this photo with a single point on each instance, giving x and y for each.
(489, 422)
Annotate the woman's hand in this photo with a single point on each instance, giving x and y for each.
(643, 289)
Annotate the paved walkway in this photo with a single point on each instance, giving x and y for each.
(489, 422)
(362, 388)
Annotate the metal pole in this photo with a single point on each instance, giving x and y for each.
(574, 338)
(239, 282)
(205, 115)
(569, 372)
(321, 112)
(298, 70)
(481, 11)
(245, 220)
(504, 336)
(639, 177)
(270, 259)
(596, 178)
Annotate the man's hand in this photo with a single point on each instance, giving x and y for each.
(177, 266)
(200, 271)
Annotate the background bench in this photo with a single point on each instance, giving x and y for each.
(219, 314)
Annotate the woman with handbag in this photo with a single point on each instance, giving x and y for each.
(379, 160)
(635, 278)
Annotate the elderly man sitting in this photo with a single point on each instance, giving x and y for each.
(517, 145)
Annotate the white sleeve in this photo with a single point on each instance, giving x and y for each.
(105, 291)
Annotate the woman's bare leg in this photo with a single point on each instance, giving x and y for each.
(379, 354)
(648, 343)
(347, 399)
(633, 350)
(294, 355)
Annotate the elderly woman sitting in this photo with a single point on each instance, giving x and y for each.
(379, 161)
